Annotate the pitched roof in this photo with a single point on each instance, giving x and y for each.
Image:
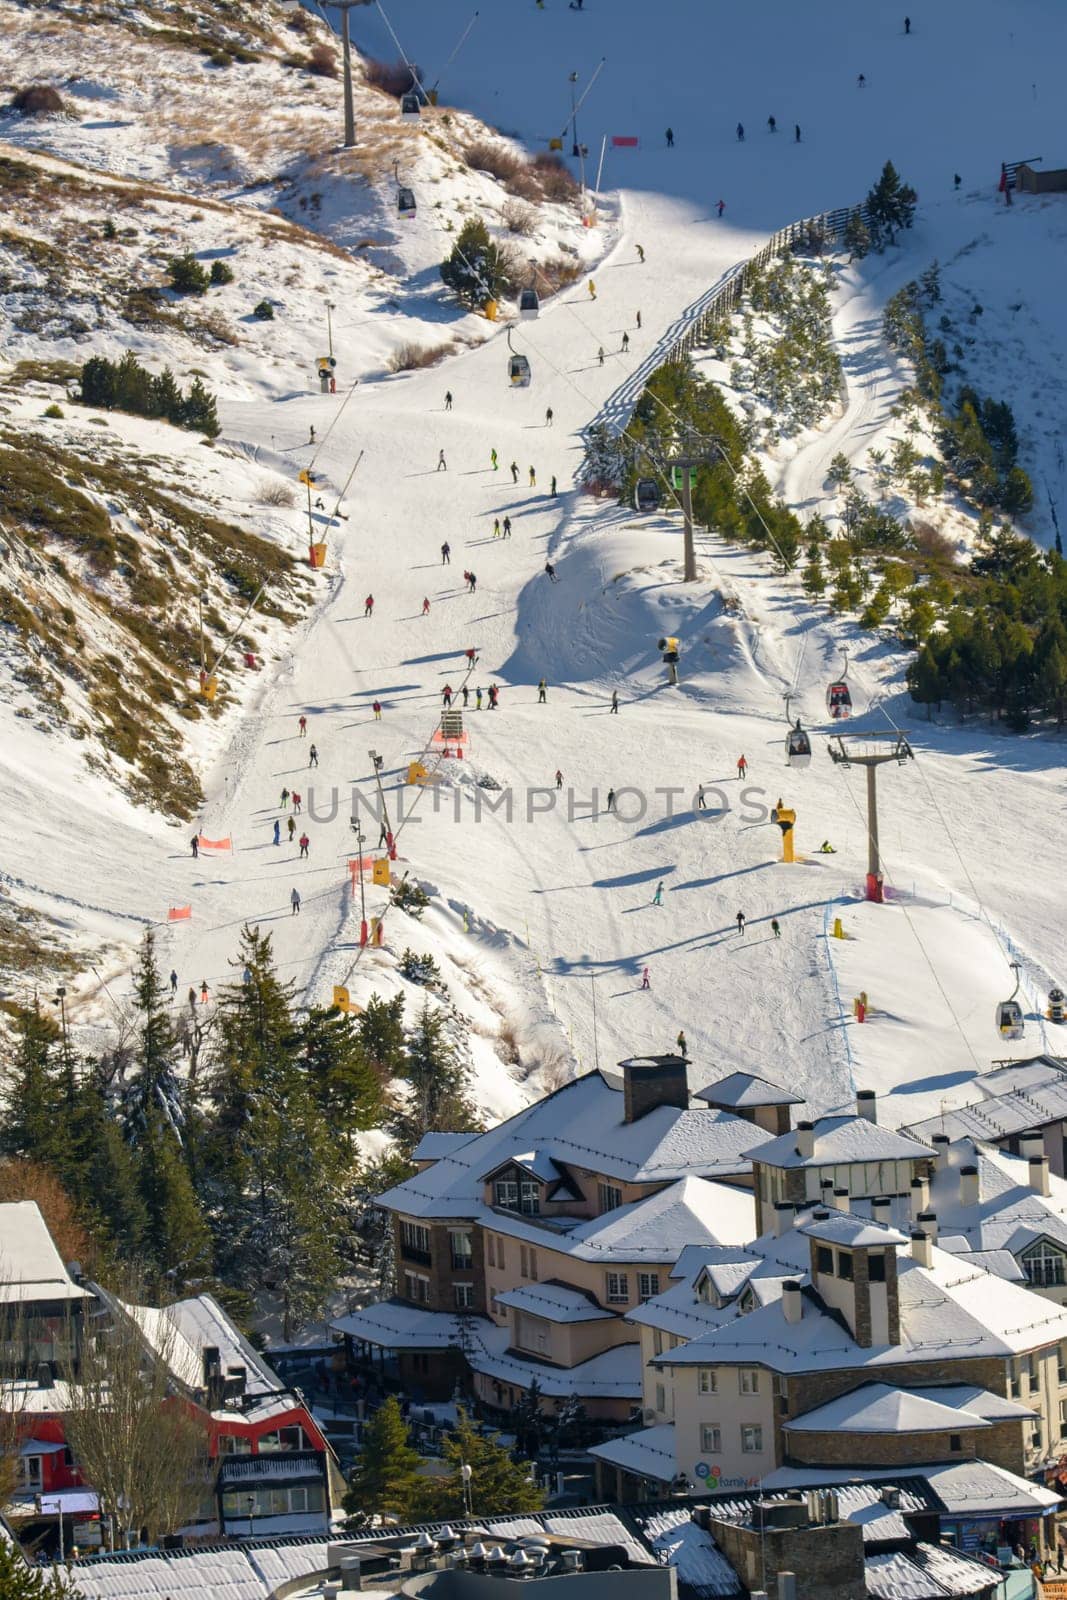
(853, 1232)
(692, 1210)
(647, 1453)
(683, 1544)
(883, 1408)
(1015, 1097)
(925, 1572)
(1008, 1215)
(581, 1124)
(963, 1488)
(745, 1089)
(432, 1146)
(31, 1268)
(839, 1140)
(556, 1302)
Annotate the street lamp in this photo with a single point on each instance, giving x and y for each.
(251, 1516)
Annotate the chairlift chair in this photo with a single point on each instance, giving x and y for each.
(647, 495)
(411, 105)
(1009, 1015)
(405, 202)
(798, 746)
(529, 304)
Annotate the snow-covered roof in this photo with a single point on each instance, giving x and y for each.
(538, 1163)
(745, 1089)
(398, 1326)
(181, 1332)
(679, 1309)
(556, 1302)
(31, 1268)
(581, 1124)
(839, 1140)
(647, 1453)
(432, 1146)
(883, 1408)
(925, 1572)
(855, 1233)
(1000, 1262)
(950, 1311)
(691, 1210)
(860, 1502)
(1015, 1098)
(614, 1374)
(1008, 1215)
(964, 1488)
(691, 1550)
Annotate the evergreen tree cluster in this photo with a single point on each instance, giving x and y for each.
(1002, 649)
(478, 269)
(127, 386)
(224, 1153)
(795, 372)
(890, 207)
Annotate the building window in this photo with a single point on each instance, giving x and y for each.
(647, 1284)
(657, 1341)
(749, 1377)
(1033, 1362)
(707, 1381)
(609, 1196)
(501, 1263)
(618, 1289)
(533, 1333)
(824, 1259)
(282, 1502)
(1013, 1380)
(234, 1444)
(1061, 1362)
(710, 1439)
(1063, 1417)
(462, 1251)
(876, 1268)
(416, 1287)
(490, 1251)
(751, 1439)
(284, 1439)
(415, 1242)
(844, 1265)
(463, 1294)
(28, 1472)
(507, 1194)
(661, 1398)
(955, 1442)
(530, 1198)
(533, 1264)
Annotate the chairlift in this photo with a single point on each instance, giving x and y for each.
(411, 105)
(529, 304)
(798, 746)
(405, 202)
(1010, 1012)
(839, 696)
(647, 495)
(519, 373)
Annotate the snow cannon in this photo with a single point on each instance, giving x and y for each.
(786, 820)
(669, 649)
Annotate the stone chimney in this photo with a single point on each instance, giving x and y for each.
(882, 1210)
(969, 1192)
(792, 1301)
(651, 1081)
(920, 1196)
(1031, 1144)
(1039, 1175)
(867, 1104)
(841, 1199)
(941, 1142)
(922, 1249)
(784, 1216)
(805, 1147)
(927, 1222)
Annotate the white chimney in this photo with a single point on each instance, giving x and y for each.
(920, 1196)
(1039, 1174)
(784, 1217)
(841, 1199)
(927, 1221)
(922, 1249)
(882, 1210)
(969, 1193)
(940, 1142)
(867, 1104)
(805, 1132)
(792, 1301)
(1031, 1144)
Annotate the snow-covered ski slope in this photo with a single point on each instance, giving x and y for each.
(541, 915)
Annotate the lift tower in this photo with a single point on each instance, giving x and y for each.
(849, 756)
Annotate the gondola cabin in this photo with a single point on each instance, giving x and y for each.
(839, 700)
(405, 202)
(1010, 1019)
(411, 106)
(529, 305)
(647, 496)
(798, 747)
(519, 373)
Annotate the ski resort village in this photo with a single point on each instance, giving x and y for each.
(533, 779)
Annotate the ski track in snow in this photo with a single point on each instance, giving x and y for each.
(558, 907)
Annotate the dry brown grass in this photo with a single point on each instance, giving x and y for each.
(411, 357)
(276, 494)
(39, 100)
(322, 61)
(519, 218)
(391, 77)
(497, 160)
(557, 273)
(556, 180)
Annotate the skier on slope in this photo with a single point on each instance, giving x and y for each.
(740, 133)
(368, 606)
(446, 695)
(294, 901)
(448, 399)
(507, 527)
(772, 124)
(742, 767)
(559, 779)
(291, 825)
(683, 1048)
(173, 982)
(776, 928)
(313, 756)
(376, 707)
(304, 843)
(514, 472)
(465, 692)
(446, 554)
(721, 207)
(442, 464)
(494, 460)
(614, 702)
(702, 804)
(195, 844)
(657, 898)
(303, 726)
(550, 572)
(425, 606)
(646, 978)
(611, 800)
(277, 831)
(542, 689)
(740, 922)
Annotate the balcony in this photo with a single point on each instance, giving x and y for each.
(412, 1252)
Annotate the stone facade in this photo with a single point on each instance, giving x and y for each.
(827, 1559)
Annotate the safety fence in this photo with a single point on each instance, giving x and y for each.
(809, 235)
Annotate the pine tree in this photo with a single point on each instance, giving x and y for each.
(200, 412)
(812, 576)
(167, 398)
(381, 1033)
(437, 1067)
(477, 270)
(32, 1123)
(19, 1581)
(497, 1480)
(99, 1170)
(177, 1240)
(345, 1084)
(840, 473)
(857, 237)
(385, 1479)
(890, 205)
(98, 382)
(155, 1085)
